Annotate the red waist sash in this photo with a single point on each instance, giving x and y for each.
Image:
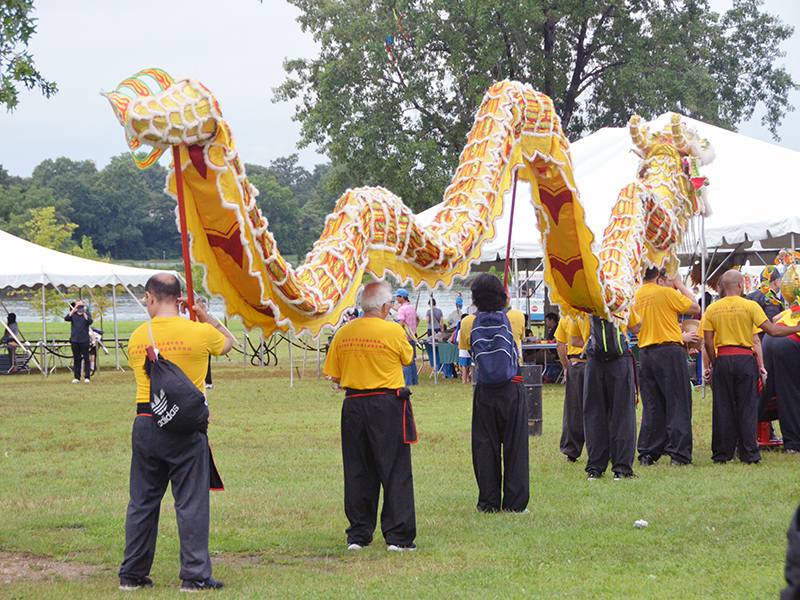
(734, 350)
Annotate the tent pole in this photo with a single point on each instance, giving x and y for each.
(116, 333)
(291, 365)
(187, 263)
(705, 283)
(510, 228)
(527, 292)
(516, 274)
(44, 333)
(433, 335)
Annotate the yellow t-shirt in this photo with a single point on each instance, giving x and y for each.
(564, 333)
(788, 318)
(582, 327)
(733, 320)
(515, 317)
(367, 353)
(659, 308)
(181, 341)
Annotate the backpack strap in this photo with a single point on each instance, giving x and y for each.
(152, 341)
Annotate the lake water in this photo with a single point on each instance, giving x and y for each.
(129, 310)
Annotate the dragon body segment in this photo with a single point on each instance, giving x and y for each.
(516, 134)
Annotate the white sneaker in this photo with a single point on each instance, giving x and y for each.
(86, 380)
(394, 548)
(76, 381)
(356, 547)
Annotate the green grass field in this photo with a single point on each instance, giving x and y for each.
(278, 529)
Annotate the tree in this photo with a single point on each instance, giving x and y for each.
(44, 230)
(117, 210)
(394, 90)
(16, 64)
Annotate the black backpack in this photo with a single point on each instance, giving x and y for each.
(493, 348)
(177, 405)
(607, 342)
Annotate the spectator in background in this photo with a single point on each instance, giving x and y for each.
(407, 317)
(80, 319)
(434, 318)
(95, 340)
(550, 324)
(11, 341)
(769, 300)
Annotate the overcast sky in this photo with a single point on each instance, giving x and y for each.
(235, 47)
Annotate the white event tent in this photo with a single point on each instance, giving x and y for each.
(28, 265)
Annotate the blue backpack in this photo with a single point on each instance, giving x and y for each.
(493, 348)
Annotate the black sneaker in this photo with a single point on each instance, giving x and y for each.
(678, 463)
(621, 476)
(646, 460)
(593, 474)
(571, 459)
(129, 584)
(199, 586)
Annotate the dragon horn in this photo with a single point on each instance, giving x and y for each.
(639, 134)
(678, 134)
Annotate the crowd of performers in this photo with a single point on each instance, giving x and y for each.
(369, 358)
(735, 362)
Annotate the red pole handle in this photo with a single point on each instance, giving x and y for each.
(187, 262)
(510, 228)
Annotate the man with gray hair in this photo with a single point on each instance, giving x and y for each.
(366, 357)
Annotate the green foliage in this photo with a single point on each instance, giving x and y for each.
(43, 229)
(86, 250)
(399, 118)
(125, 214)
(17, 26)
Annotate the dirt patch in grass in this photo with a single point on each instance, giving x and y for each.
(21, 566)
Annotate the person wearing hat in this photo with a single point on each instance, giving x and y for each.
(663, 380)
(408, 318)
(768, 297)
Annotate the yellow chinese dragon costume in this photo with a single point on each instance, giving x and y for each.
(516, 133)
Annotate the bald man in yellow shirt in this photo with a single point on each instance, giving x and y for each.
(728, 336)
(663, 380)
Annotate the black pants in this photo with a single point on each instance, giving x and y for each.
(80, 352)
(666, 403)
(374, 455)
(609, 415)
(500, 446)
(734, 420)
(160, 458)
(572, 423)
(782, 361)
(792, 566)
